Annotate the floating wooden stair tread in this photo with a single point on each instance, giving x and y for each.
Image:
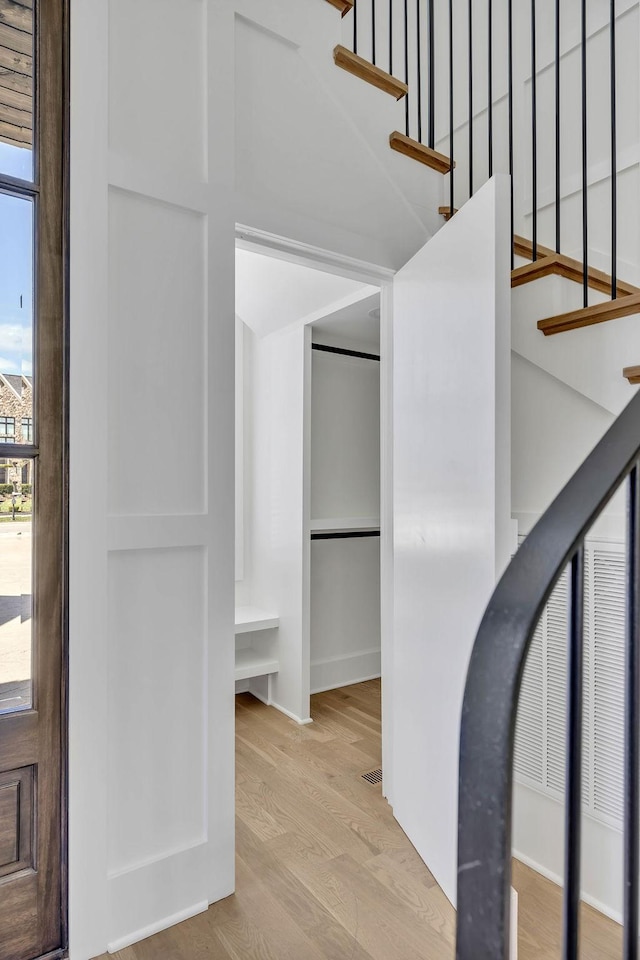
(587, 316)
(632, 374)
(361, 68)
(556, 264)
(446, 212)
(342, 5)
(418, 151)
(524, 248)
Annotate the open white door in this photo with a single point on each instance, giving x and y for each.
(451, 426)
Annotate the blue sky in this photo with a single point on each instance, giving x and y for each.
(16, 268)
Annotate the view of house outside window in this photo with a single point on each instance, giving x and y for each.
(16, 430)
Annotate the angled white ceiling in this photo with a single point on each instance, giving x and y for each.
(304, 168)
(272, 294)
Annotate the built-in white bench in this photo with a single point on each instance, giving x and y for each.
(250, 662)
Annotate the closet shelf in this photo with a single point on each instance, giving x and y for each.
(337, 524)
(249, 619)
(249, 664)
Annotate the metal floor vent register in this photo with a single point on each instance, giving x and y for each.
(374, 776)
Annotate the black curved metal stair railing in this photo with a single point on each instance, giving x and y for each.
(491, 700)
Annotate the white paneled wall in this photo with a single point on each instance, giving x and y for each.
(152, 439)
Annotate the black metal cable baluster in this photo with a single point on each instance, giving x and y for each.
(451, 133)
(355, 26)
(573, 786)
(632, 719)
(534, 136)
(585, 202)
(470, 16)
(431, 139)
(419, 68)
(391, 37)
(614, 147)
(373, 32)
(510, 82)
(406, 65)
(490, 87)
(557, 80)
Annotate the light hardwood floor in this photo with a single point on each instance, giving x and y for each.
(323, 870)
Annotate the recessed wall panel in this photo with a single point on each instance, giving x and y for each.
(156, 85)
(156, 705)
(156, 357)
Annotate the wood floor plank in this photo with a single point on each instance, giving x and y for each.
(324, 872)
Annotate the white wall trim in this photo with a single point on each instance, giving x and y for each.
(294, 251)
(347, 683)
(149, 861)
(291, 715)
(271, 703)
(555, 878)
(156, 532)
(125, 175)
(331, 673)
(163, 924)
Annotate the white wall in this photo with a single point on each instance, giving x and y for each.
(280, 507)
(151, 567)
(345, 436)
(345, 612)
(345, 483)
(451, 501)
(553, 429)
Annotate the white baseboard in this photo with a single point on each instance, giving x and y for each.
(344, 670)
(243, 686)
(291, 716)
(555, 878)
(152, 928)
(271, 703)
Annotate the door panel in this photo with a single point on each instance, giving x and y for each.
(32, 481)
(451, 497)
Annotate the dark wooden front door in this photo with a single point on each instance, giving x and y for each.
(32, 511)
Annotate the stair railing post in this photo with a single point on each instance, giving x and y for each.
(431, 139)
(490, 86)
(534, 136)
(419, 68)
(470, 51)
(614, 161)
(631, 812)
(585, 199)
(558, 128)
(451, 115)
(573, 786)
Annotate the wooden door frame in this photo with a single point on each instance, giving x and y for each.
(65, 335)
(48, 192)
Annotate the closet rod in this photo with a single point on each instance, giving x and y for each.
(345, 535)
(343, 352)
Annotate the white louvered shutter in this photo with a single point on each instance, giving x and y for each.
(608, 685)
(529, 739)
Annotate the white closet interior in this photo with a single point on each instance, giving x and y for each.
(345, 498)
(308, 519)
